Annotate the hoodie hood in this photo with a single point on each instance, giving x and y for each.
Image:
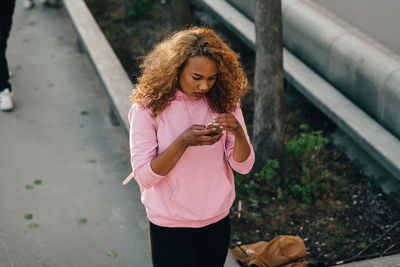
(183, 98)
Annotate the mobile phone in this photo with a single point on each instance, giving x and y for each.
(219, 129)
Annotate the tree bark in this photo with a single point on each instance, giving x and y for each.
(268, 128)
(181, 13)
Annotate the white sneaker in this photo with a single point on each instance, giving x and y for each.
(6, 103)
(28, 4)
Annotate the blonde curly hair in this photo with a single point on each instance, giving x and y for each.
(158, 82)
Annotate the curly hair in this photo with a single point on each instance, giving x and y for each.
(160, 71)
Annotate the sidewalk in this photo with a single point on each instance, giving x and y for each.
(80, 159)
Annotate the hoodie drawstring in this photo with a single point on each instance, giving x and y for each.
(187, 112)
(212, 115)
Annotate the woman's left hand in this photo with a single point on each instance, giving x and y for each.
(228, 122)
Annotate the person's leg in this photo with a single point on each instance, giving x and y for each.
(6, 13)
(172, 247)
(213, 243)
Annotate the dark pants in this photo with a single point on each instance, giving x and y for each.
(190, 247)
(6, 13)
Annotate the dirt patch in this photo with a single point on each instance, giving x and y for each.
(352, 219)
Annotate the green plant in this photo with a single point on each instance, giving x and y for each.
(305, 173)
(303, 162)
(142, 10)
(261, 187)
(270, 181)
(107, 34)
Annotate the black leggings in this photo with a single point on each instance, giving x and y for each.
(190, 247)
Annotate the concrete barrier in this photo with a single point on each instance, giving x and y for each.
(362, 72)
(356, 67)
(113, 76)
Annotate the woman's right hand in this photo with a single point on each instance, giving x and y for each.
(199, 135)
(196, 135)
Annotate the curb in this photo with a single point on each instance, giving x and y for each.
(112, 75)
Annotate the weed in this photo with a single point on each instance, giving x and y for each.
(362, 245)
(304, 168)
(142, 10)
(303, 161)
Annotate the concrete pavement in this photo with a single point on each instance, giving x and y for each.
(60, 134)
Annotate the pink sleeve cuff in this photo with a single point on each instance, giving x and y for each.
(146, 177)
(242, 167)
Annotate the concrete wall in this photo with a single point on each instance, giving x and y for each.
(360, 70)
(247, 7)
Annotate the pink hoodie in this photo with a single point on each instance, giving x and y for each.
(199, 190)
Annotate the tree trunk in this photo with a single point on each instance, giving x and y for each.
(181, 13)
(268, 131)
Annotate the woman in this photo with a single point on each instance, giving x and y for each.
(186, 126)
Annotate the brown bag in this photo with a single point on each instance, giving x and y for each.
(283, 250)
